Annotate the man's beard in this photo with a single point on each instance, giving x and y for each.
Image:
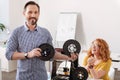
(32, 21)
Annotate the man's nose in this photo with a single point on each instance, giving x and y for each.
(33, 15)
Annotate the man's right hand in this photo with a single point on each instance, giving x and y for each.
(34, 53)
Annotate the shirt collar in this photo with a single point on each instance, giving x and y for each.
(27, 29)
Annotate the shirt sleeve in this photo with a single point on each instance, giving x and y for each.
(85, 61)
(106, 65)
(12, 45)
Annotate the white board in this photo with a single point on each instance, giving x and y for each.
(66, 26)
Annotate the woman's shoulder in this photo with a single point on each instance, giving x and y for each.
(87, 57)
(108, 62)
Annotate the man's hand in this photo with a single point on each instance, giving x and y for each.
(74, 56)
(34, 53)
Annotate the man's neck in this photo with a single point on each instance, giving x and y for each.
(31, 27)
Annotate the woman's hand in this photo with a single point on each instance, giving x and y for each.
(91, 61)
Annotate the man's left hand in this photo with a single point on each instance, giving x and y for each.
(73, 56)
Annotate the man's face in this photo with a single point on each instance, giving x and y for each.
(31, 14)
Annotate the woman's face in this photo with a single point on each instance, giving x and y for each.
(95, 48)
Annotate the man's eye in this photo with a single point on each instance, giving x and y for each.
(30, 12)
(36, 12)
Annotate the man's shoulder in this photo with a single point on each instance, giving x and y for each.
(18, 29)
(42, 29)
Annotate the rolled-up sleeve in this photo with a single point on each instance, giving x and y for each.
(12, 45)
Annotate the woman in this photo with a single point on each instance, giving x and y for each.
(98, 61)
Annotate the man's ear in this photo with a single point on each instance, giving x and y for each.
(24, 12)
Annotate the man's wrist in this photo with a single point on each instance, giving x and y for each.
(26, 55)
(69, 58)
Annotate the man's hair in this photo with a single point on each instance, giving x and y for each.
(31, 3)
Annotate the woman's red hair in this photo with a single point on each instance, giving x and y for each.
(104, 49)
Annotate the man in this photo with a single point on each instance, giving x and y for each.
(23, 46)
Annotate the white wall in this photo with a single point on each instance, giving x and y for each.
(4, 9)
(96, 18)
(16, 12)
(11, 13)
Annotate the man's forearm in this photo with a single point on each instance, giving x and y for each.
(18, 55)
(60, 56)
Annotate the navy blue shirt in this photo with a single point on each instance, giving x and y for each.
(24, 40)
